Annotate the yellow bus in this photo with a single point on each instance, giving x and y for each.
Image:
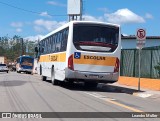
(84, 51)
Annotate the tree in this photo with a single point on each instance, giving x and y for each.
(12, 47)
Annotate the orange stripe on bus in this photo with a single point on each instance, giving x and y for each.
(59, 57)
(85, 59)
(96, 60)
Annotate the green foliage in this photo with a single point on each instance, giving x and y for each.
(157, 67)
(12, 47)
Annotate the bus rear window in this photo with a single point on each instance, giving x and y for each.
(27, 61)
(95, 37)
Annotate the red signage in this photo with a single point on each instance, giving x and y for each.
(141, 34)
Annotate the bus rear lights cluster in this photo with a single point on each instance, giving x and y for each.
(70, 63)
(116, 68)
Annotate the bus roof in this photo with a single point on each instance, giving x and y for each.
(25, 56)
(72, 22)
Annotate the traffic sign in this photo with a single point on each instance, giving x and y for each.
(77, 55)
(141, 37)
(141, 34)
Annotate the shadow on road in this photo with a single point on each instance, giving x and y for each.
(119, 89)
(12, 83)
(101, 88)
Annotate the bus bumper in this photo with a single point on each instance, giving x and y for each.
(94, 76)
(25, 70)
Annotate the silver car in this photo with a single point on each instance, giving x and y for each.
(3, 68)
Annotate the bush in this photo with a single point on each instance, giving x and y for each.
(157, 67)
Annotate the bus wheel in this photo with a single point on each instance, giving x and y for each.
(90, 84)
(40, 70)
(54, 81)
(44, 78)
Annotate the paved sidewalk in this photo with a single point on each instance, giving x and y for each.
(143, 93)
(146, 83)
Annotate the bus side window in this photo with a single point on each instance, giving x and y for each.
(54, 43)
(42, 47)
(50, 50)
(39, 49)
(51, 40)
(46, 46)
(64, 40)
(58, 42)
(49, 44)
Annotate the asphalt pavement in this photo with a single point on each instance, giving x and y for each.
(28, 93)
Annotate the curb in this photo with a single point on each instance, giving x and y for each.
(143, 95)
(133, 91)
(146, 83)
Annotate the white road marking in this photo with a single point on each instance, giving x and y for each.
(112, 101)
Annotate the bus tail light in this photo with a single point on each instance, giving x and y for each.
(116, 68)
(70, 62)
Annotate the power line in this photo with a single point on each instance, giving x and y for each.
(34, 12)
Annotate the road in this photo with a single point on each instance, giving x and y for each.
(27, 93)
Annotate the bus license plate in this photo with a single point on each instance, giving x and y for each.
(93, 76)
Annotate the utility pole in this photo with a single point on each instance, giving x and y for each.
(22, 46)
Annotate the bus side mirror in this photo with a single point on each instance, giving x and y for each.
(36, 49)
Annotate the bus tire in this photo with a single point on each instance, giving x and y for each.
(40, 70)
(44, 78)
(54, 81)
(90, 84)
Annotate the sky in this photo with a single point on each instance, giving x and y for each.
(32, 19)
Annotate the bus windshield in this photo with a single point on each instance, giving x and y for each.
(27, 61)
(95, 37)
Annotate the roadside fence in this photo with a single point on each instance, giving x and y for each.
(149, 63)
